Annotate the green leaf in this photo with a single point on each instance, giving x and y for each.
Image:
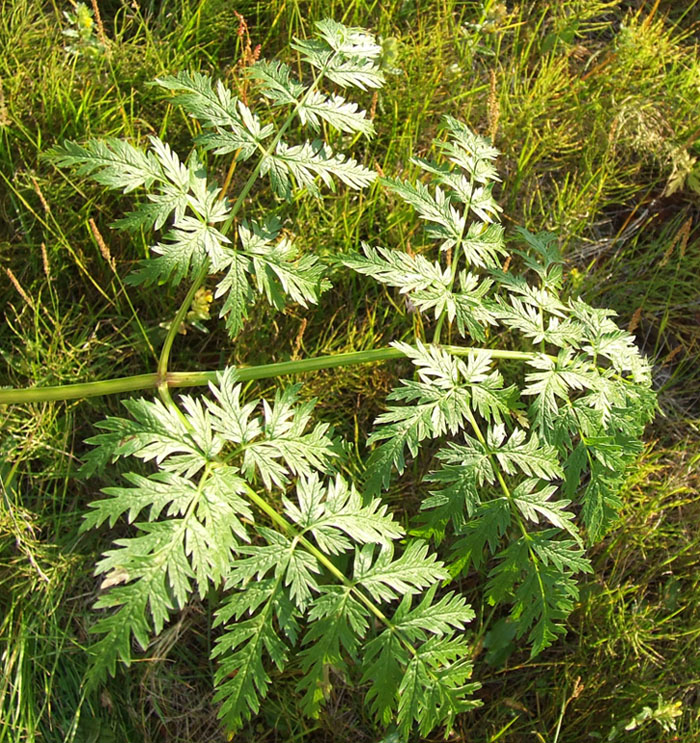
(601, 501)
(188, 246)
(336, 511)
(155, 493)
(528, 455)
(553, 382)
(118, 628)
(427, 685)
(342, 115)
(428, 617)
(285, 446)
(383, 661)
(465, 465)
(483, 245)
(563, 554)
(337, 624)
(230, 418)
(446, 222)
(528, 317)
(156, 433)
(607, 340)
(467, 306)
(237, 128)
(535, 504)
(396, 268)
(155, 588)
(535, 573)
(111, 162)
(437, 366)
(241, 679)
(478, 199)
(573, 469)
(278, 85)
(433, 690)
(489, 524)
(237, 292)
(440, 404)
(298, 166)
(159, 565)
(433, 412)
(276, 81)
(386, 578)
(346, 56)
(428, 286)
(277, 267)
(348, 41)
(173, 197)
(469, 151)
(547, 261)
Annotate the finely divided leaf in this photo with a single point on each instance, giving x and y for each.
(446, 222)
(386, 578)
(527, 455)
(338, 622)
(434, 688)
(396, 268)
(342, 115)
(276, 82)
(298, 166)
(286, 446)
(337, 517)
(346, 56)
(538, 504)
(488, 525)
(278, 444)
(483, 245)
(469, 151)
(552, 383)
(237, 128)
(429, 616)
(433, 412)
(156, 433)
(111, 162)
(241, 678)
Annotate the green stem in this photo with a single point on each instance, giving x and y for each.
(177, 322)
(199, 379)
(201, 276)
(506, 491)
(455, 257)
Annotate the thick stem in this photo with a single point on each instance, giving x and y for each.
(200, 379)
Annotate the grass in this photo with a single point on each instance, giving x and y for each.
(594, 105)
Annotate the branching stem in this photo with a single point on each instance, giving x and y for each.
(175, 327)
(199, 379)
(289, 529)
(225, 228)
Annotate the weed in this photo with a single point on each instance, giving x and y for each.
(603, 204)
(282, 558)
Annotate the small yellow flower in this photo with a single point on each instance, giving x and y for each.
(84, 19)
